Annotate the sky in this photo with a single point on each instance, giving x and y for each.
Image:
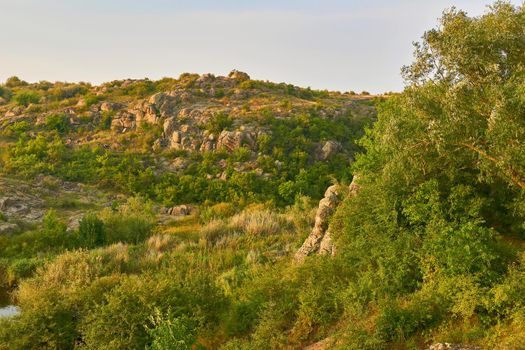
(325, 44)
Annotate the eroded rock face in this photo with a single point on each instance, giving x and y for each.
(231, 140)
(320, 239)
(449, 346)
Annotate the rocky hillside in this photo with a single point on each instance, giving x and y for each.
(187, 140)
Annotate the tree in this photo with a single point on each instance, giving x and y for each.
(442, 180)
(467, 88)
(14, 82)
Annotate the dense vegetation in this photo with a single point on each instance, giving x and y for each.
(430, 249)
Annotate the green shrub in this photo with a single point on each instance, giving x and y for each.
(91, 232)
(58, 122)
(91, 100)
(218, 123)
(25, 98)
(217, 211)
(5, 93)
(22, 268)
(169, 333)
(105, 121)
(130, 223)
(18, 128)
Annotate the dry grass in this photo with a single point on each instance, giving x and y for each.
(157, 245)
(254, 221)
(214, 230)
(160, 243)
(258, 222)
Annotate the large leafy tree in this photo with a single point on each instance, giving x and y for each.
(440, 210)
(467, 91)
(461, 119)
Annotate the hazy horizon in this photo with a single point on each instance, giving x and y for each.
(336, 45)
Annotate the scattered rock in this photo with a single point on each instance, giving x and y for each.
(449, 346)
(108, 107)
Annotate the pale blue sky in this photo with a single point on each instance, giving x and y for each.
(326, 44)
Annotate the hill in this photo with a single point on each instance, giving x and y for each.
(178, 140)
(201, 177)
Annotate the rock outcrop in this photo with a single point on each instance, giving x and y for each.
(179, 210)
(313, 242)
(320, 239)
(230, 140)
(22, 206)
(235, 74)
(123, 121)
(329, 149)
